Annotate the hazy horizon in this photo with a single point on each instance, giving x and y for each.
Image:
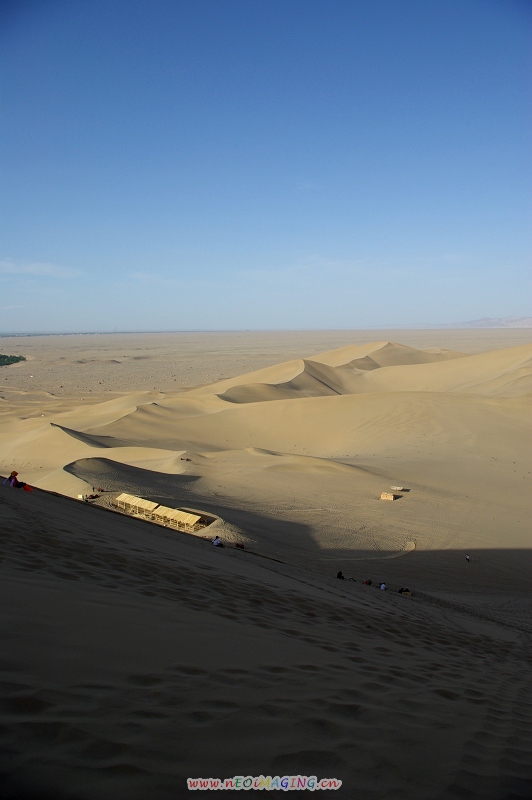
(427, 326)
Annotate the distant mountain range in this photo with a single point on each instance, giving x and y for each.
(494, 322)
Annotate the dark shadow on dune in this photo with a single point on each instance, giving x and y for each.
(114, 476)
(178, 490)
(493, 587)
(42, 533)
(93, 440)
(497, 569)
(492, 570)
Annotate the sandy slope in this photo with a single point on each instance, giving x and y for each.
(134, 658)
(421, 699)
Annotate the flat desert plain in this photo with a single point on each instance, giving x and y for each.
(136, 656)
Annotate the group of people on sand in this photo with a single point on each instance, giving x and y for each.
(14, 482)
(369, 582)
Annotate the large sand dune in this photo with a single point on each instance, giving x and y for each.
(315, 442)
(261, 661)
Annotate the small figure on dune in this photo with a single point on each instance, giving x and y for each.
(468, 558)
(382, 586)
(367, 583)
(217, 542)
(16, 484)
(340, 575)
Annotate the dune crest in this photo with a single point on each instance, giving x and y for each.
(389, 367)
(385, 354)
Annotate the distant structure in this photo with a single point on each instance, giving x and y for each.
(388, 496)
(175, 518)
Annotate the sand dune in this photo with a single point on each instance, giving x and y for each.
(138, 656)
(306, 375)
(329, 436)
(384, 354)
(503, 373)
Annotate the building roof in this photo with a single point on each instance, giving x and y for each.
(124, 498)
(138, 502)
(184, 517)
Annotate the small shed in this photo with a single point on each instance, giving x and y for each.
(136, 505)
(387, 496)
(175, 518)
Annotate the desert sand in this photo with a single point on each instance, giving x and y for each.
(136, 656)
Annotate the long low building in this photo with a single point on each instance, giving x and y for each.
(173, 517)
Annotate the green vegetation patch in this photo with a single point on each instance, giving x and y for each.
(5, 360)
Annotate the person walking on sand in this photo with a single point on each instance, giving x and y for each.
(468, 558)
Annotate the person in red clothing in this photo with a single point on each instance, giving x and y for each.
(14, 482)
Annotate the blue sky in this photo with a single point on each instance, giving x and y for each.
(228, 164)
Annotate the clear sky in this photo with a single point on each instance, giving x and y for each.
(228, 164)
